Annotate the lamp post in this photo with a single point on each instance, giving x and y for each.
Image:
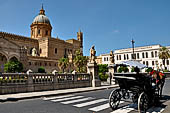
(133, 55)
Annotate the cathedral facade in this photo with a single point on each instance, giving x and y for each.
(41, 49)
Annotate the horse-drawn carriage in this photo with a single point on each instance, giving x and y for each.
(142, 88)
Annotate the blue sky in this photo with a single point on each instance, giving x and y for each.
(107, 24)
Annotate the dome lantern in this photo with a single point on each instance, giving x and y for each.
(41, 26)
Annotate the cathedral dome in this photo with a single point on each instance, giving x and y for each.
(41, 19)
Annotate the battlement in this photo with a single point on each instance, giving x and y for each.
(16, 37)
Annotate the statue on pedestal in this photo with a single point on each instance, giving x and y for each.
(111, 57)
(92, 54)
(34, 52)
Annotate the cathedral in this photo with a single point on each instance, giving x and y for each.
(41, 49)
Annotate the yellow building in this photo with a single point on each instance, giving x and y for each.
(41, 49)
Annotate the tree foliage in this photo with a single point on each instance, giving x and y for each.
(103, 68)
(80, 62)
(63, 63)
(41, 70)
(123, 69)
(164, 53)
(13, 66)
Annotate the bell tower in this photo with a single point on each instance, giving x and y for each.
(41, 26)
(80, 38)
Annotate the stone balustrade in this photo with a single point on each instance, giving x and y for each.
(22, 82)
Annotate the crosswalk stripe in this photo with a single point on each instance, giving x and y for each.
(102, 107)
(78, 100)
(125, 109)
(99, 108)
(63, 99)
(50, 98)
(90, 103)
(155, 110)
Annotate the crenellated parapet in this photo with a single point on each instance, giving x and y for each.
(16, 37)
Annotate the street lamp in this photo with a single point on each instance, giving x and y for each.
(133, 55)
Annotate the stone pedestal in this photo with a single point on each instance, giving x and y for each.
(92, 68)
(111, 73)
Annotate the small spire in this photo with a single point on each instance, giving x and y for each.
(79, 30)
(42, 6)
(42, 11)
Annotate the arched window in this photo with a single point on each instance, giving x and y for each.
(127, 56)
(40, 50)
(13, 59)
(38, 31)
(137, 55)
(146, 54)
(152, 55)
(46, 32)
(156, 54)
(143, 55)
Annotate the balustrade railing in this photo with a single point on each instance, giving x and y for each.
(41, 78)
(13, 78)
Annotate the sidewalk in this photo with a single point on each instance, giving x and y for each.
(29, 95)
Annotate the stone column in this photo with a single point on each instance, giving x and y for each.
(55, 79)
(30, 84)
(93, 69)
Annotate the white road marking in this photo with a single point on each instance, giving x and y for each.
(50, 98)
(63, 99)
(90, 103)
(155, 110)
(125, 109)
(99, 108)
(78, 100)
(102, 107)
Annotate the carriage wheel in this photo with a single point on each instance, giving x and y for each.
(114, 99)
(143, 103)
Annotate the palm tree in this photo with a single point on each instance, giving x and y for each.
(80, 61)
(63, 63)
(164, 54)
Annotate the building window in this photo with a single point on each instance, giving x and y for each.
(119, 57)
(38, 31)
(124, 57)
(104, 59)
(133, 56)
(152, 55)
(137, 55)
(146, 54)
(127, 56)
(55, 50)
(40, 50)
(45, 64)
(49, 64)
(147, 63)
(163, 62)
(143, 55)
(167, 62)
(40, 63)
(153, 63)
(107, 59)
(144, 62)
(156, 54)
(46, 32)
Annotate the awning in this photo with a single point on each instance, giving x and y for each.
(133, 64)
